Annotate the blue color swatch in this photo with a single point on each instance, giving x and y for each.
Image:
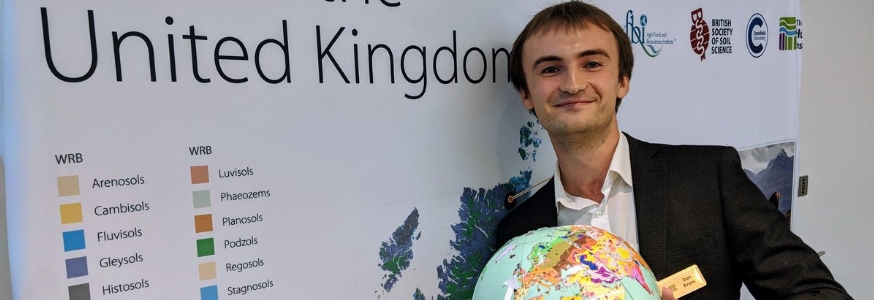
(209, 292)
(77, 267)
(74, 240)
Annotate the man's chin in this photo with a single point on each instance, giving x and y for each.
(576, 125)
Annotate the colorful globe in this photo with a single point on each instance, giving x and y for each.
(566, 263)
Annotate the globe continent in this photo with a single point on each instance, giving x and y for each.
(566, 263)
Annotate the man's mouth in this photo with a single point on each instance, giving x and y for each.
(574, 103)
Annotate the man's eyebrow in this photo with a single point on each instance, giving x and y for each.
(592, 52)
(546, 58)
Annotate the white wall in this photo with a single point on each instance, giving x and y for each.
(836, 141)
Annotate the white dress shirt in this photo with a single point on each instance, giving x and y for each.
(616, 212)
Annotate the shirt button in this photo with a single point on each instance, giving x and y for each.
(598, 214)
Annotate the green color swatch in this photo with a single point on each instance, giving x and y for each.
(205, 247)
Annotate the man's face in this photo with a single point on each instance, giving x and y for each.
(573, 79)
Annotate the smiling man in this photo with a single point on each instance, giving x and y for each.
(677, 205)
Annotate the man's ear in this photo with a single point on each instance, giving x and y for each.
(624, 84)
(526, 100)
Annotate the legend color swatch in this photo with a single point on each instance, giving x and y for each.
(199, 174)
(209, 292)
(202, 223)
(205, 247)
(201, 199)
(68, 185)
(80, 292)
(74, 240)
(77, 267)
(71, 213)
(206, 270)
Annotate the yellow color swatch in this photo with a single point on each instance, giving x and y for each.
(206, 270)
(71, 213)
(68, 185)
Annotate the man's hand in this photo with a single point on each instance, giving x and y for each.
(667, 294)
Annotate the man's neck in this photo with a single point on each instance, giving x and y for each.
(584, 162)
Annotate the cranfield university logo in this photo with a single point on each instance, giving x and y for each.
(651, 42)
(790, 33)
(699, 35)
(757, 35)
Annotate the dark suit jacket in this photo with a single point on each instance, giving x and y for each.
(695, 205)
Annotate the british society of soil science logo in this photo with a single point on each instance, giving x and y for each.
(699, 35)
(651, 42)
(714, 37)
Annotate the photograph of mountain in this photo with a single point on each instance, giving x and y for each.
(771, 168)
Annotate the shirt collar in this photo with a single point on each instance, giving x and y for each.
(620, 164)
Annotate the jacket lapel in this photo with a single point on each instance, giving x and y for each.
(542, 212)
(651, 185)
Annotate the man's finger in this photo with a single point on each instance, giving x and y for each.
(667, 294)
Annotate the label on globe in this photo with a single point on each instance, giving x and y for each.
(684, 282)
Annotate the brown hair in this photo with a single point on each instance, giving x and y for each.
(570, 15)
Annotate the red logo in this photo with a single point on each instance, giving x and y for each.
(700, 33)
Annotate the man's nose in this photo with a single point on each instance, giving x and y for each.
(574, 82)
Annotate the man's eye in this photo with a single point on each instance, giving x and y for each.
(593, 65)
(550, 70)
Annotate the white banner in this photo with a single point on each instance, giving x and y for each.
(292, 150)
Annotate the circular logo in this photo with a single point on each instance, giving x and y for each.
(757, 35)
